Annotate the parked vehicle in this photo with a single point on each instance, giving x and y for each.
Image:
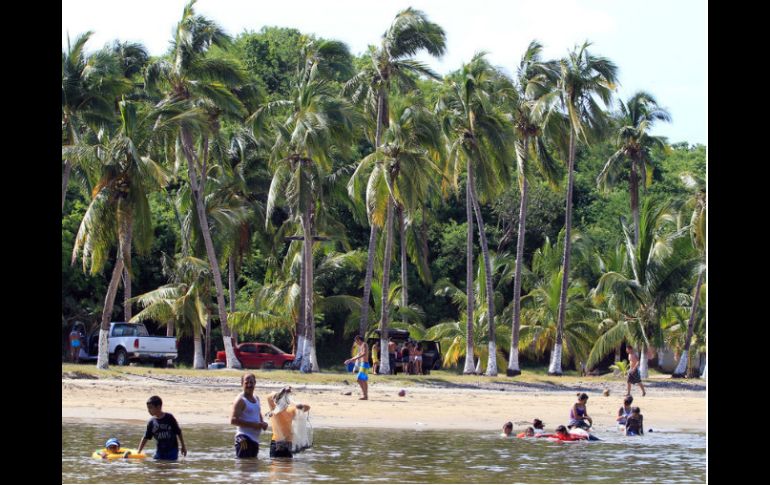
(431, 356)
(131, 342)
(258, 355)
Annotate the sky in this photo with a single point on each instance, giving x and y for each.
(659, 46)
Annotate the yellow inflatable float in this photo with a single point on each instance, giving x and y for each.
(121, 453)
(113, 451)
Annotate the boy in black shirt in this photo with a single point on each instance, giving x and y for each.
(164, 428)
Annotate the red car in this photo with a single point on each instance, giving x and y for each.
(256, 355)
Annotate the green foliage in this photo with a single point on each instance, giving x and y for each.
(620, 368)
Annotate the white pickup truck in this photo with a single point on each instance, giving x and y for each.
(130, 342)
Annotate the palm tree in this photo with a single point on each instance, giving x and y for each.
(698, 237)
(392, 64)
(203, 81)
(541, 305)
(400, 174)
(582, 76)
(535, 79)
(317, 122)
(120, 208)
(182, 301)
(89, 87)
(478, 134)
(658, 266)
(454, 336)
(635, 144)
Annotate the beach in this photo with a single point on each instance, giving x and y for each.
(482, 406)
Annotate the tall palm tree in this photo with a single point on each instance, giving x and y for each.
(90, 86)
(207, 82)
(454, 336)
(635, 145)
(181, 301)
(698, 237)
(535, 78)
(401, 171)
(392, 64)
(541, 305)
(478, 134)
(120, 208)
(582, 76)
(658, 267)
(317, 122)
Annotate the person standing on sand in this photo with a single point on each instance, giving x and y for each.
(634, 377)
(362, 362)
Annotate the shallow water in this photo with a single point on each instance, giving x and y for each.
(392, 456)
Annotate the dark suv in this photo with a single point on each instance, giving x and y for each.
(431, 355)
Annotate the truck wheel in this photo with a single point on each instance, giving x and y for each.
(286, 365)
(121, 357)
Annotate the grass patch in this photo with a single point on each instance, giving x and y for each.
(441, 378)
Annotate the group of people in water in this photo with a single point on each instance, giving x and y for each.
(629, 419)
(246, 415)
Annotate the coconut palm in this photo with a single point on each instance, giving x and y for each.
(541, 304)
(392, 65)
(316, 122)
(454, 336)
(198, 79)
(535, 78)
(582, 77)
(182, 301)
(119, 208)
(698, 237)
(90, 86)
(400, 174)
(634, 144)
(478, 134)
(658, 267)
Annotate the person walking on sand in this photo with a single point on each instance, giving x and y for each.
(634, 377)
(247, 416)
(362, 362)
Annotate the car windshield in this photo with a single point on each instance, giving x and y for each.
(276, 350)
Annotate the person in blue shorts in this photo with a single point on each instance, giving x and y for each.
(362, 362)
(164, 428)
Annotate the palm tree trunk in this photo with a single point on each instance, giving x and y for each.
(207, 340)
(198, 193)
(681, 368)
(170, 328)
(231, 287)
(555, 367)
(634, 189)
(364, 323)
(469, 368)
(388, 231)
(65, 181)
(513, 357)
(309, 361)
(644, 363)
(425, 252)
(109, 301)
(299, 331)
(199, 361)
(492, 343)
(404, 284)
(127, 313)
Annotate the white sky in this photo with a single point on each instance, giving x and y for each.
(660, 46)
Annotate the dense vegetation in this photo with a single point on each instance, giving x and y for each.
(190, 183)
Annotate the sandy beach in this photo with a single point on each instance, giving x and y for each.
(667, 406)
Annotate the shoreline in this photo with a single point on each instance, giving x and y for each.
(667, 406)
